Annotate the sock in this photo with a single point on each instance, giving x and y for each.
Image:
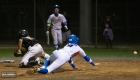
(47, 62)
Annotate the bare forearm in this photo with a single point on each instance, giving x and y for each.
(19, 44)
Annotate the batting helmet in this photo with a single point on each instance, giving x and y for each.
(23, 33)
(56, 6)
(73, 39)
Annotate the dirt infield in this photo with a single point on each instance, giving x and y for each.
(109, 69)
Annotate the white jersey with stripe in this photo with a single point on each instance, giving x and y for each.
(73, 50)
(56, 21)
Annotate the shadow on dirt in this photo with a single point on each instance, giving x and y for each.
(60, 70)
(11, 65)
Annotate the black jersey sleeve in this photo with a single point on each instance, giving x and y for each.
(28, 41)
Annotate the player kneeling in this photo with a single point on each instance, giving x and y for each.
(61, 56)
(33, 48)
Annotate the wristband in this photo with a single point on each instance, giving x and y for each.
(48, 24)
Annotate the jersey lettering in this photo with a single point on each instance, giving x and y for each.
(56, 20)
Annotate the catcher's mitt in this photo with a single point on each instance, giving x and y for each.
(17, 54)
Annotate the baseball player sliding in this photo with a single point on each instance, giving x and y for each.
(61, 56)
(55, 21)
(33, 48)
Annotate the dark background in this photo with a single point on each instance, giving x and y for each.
(19, 14)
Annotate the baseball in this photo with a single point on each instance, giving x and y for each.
(135, 52)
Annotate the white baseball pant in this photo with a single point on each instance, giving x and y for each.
(36, 51)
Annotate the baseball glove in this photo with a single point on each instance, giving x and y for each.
(19, 54)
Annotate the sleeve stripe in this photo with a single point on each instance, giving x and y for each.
(75, 53)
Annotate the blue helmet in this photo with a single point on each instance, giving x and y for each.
(73, 39)
(56, 6)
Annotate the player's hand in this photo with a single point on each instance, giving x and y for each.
(66, 27)
(47, 32)
(97, 64)
(19, 52)
(76, 68)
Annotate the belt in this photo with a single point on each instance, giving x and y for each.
(55, 29)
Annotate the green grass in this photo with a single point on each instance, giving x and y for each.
(8, 52)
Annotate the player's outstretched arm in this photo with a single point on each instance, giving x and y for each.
(72, 64)
(20, 45)
(88, 59)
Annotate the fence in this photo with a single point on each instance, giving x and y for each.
(125, 19)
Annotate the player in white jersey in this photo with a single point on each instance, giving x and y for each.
(61, 56)
(55, 21)
(33, 48)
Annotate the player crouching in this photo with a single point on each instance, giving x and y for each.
(33, 50)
